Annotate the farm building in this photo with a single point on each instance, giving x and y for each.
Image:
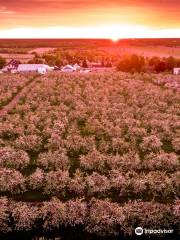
(12, 65)
(68, 68)
(41, 68)
(176, 71)
(16, 66)
(71, 68)
(77, 67)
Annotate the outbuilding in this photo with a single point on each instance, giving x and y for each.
(77, 67)
(176, 71)
(68, 68)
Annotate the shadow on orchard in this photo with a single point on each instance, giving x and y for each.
(75, 233)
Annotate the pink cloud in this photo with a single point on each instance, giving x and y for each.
(66, 12)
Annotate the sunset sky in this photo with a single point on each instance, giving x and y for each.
(89, 18)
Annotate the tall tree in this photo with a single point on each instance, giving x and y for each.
(2, 62)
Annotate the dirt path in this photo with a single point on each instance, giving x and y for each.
(7, 108)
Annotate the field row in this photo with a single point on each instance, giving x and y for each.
(94, 160)
(97, 216)
(117, 185)
(10, 86)
(168, 81)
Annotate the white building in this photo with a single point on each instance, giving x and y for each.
(77, 67)
(15, 66)
(40, 68)
(68, 68)
(176, 71)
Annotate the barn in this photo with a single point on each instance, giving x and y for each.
(41, 68)
(16, 66)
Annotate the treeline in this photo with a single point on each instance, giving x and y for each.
(83, 57)
(2, 62)
(135, 63)
(168, 42)
(54, 43)
(61, 57)
(130, 63)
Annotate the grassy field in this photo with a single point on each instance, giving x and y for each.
(146, 51)
(19, 57)
(97, 153)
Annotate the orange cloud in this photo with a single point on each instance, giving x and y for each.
(156, 14)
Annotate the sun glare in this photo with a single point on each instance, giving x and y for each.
(113, 32)
(114, 39)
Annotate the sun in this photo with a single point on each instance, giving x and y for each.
(114, 39)
(113, 31)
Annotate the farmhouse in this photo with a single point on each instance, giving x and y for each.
(11, 66)
(176, 71)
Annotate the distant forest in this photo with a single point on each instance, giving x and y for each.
(23, 43)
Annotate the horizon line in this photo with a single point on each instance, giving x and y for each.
(84, 38)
